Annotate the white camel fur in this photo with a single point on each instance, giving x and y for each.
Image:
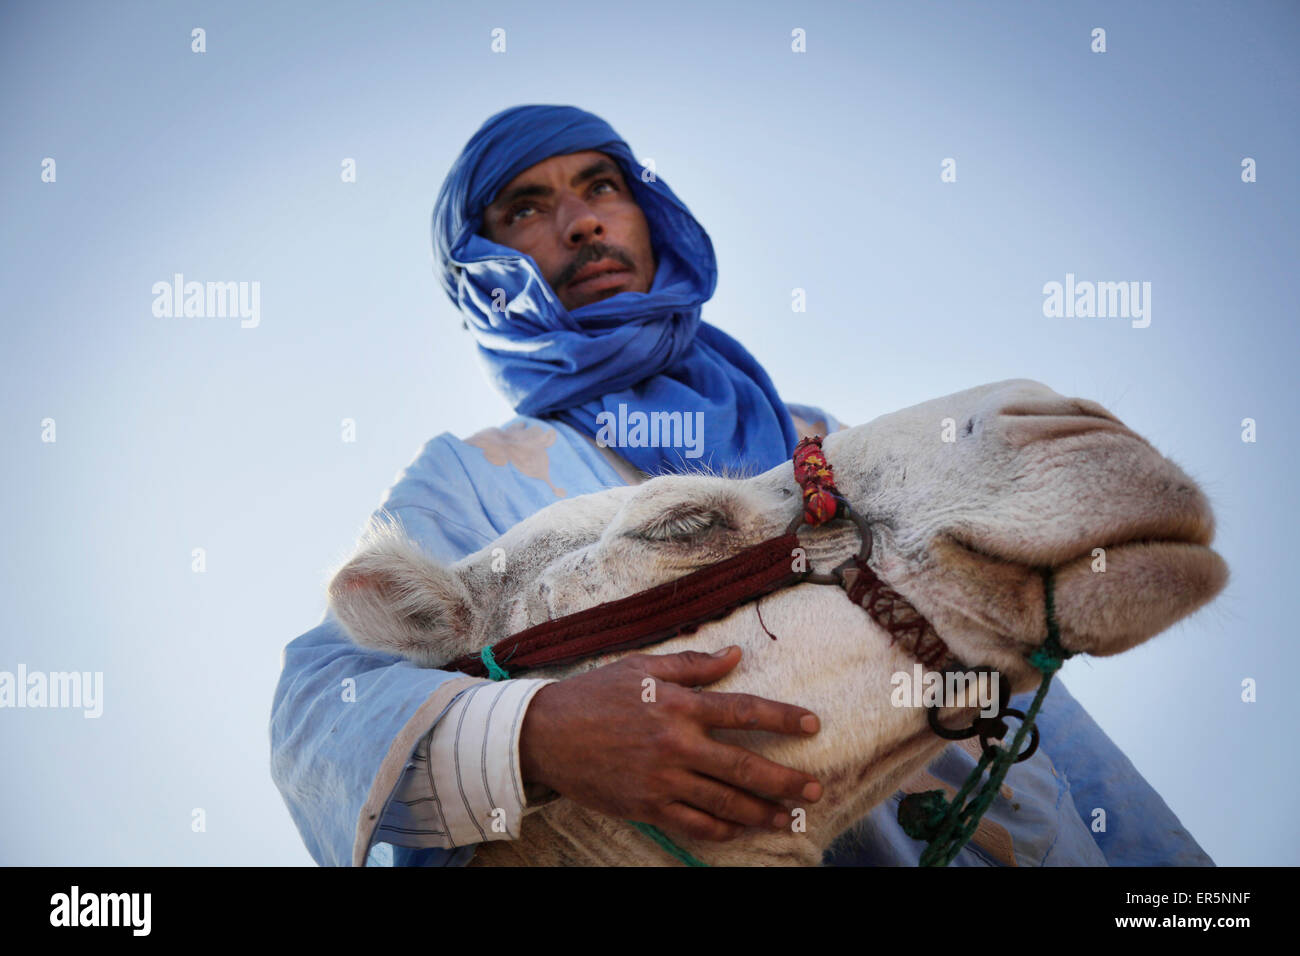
(962, 513)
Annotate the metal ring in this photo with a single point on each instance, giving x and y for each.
(864, 529)
(978, 721)
(932, 715)
(843, 511)
(989, 749)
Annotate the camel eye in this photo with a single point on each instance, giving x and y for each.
(682, 522)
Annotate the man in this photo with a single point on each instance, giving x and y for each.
(581, 278)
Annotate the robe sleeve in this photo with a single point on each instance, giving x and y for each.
(1139, 827)
(345, 720)
(812, 420)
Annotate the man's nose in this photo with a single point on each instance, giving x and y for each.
(579, 223)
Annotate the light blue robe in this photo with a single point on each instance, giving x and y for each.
(453, 500)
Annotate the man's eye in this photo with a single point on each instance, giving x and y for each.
(605, 182)
(515, 213)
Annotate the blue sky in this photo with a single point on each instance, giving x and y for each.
(818, 170)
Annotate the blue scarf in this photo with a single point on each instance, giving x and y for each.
(648, 352)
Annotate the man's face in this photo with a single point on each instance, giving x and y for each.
(576, 217)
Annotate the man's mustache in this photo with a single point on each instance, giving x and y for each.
(588, 254)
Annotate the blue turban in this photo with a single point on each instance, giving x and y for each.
(648, 351)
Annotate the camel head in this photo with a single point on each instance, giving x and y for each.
(966, 496)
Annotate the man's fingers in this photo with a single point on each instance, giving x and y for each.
(747, 770)
(698, 824)
(690, 668)
(747, 712)
(734, 806)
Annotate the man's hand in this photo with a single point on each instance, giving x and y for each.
(594, 739)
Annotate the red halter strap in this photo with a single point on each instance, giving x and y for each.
(713, 592)
(647, 617)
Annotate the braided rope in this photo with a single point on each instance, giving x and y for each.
(821, 500)
(949, 826)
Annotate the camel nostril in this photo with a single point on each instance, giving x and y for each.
(1031, 420)
(1058, 408)
(1021, 430)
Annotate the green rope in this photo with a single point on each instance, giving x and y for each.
(949, 826)
(667, 845)
(495, 671)
(1051, 655)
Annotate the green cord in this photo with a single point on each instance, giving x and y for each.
(495, 671)
(958, 825)
(667, 845)
(949, 826)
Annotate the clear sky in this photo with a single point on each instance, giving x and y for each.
(818, 170)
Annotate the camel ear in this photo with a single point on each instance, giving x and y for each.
(391, 597)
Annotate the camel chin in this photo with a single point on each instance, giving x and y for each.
(1146, 588)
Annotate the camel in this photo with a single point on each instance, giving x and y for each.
(966, 497)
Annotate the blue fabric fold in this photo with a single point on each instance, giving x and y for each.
(647, 352)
